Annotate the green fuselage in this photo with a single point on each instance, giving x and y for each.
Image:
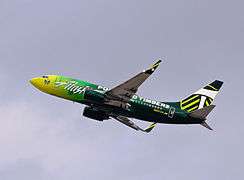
(93, 95)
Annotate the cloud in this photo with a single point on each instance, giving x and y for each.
(61, 147)
(108, 42)
(25, 169)
(27, 133)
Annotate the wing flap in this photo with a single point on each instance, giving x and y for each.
(126, 121)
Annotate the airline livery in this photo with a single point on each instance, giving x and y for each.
(122, 103)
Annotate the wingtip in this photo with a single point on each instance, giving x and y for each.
(153, 67)
(156, 64)
(150, 128)
(158, 61)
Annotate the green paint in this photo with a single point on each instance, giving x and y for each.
(138, 107)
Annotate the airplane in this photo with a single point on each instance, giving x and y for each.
(122, 103)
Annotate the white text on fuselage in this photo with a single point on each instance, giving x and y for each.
(149, 101)
(72, 86)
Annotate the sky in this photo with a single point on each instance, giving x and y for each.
(107, 42)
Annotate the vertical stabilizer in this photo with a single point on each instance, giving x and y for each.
(202, 98)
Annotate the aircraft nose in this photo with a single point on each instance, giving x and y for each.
(36, 82)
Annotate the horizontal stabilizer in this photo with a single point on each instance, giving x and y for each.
(204, 124)
(202, 113)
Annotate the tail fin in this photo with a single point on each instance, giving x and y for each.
(202, 98)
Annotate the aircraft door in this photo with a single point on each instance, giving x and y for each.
(171, 112)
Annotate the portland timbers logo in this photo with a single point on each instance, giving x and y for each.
(194, 102)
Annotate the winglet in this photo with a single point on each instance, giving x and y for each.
(150, 128)
(157, 63)
(153, 67)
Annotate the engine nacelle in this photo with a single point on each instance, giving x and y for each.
(94, 96)
(95, 114)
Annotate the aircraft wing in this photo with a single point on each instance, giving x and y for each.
(125, 91)
(131, 124)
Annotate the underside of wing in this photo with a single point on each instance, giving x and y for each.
(126, 121)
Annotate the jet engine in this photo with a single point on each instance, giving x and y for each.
(95, 114)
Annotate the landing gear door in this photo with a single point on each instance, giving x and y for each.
(171, 112)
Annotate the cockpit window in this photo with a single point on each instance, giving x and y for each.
(46, 80)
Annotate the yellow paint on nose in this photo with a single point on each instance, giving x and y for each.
(37, 82)
(45, 83)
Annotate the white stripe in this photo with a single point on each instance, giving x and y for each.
(203, 98)
(208, 93)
